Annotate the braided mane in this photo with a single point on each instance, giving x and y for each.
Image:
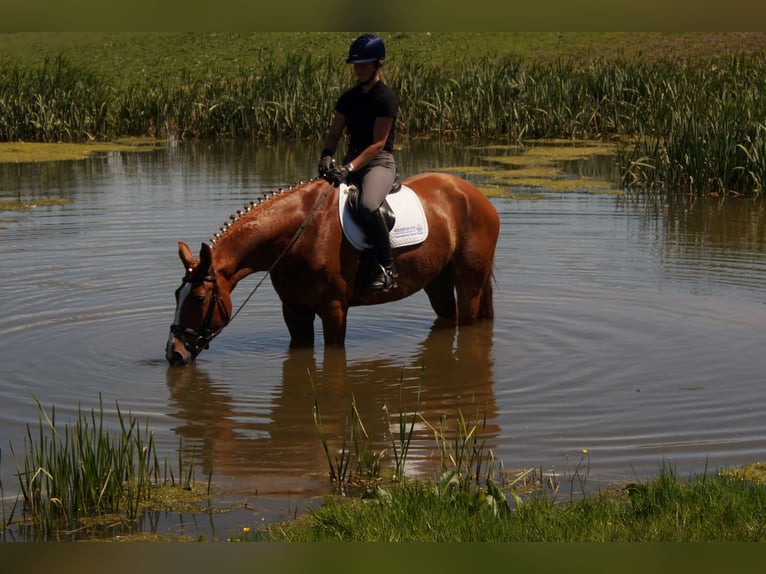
(252, 205)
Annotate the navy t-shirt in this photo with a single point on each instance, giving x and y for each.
(360, 110)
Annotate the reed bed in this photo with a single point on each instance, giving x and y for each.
(84, 470)
(691, 124)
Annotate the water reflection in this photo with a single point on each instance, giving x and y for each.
(733, 223)
(714, 243)
(449, 372)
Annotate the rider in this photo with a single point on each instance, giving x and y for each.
(368, 111)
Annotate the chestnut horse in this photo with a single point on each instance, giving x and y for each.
(296, 236)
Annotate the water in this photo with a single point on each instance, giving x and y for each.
(630, 327)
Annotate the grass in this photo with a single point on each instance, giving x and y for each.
(702, 509)
(80, 477)
(126, 56)
(684, 108)
(475, 500)
(85, 479)
(354, 461)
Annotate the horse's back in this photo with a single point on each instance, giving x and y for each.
(437, 182)
(440, 191)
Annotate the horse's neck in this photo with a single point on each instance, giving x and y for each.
(256, 240)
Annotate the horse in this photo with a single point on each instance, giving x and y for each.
(296, 236)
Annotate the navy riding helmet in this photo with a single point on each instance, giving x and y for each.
(366, 48)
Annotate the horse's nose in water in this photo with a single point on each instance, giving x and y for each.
(176, 353)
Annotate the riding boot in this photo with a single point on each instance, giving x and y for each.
(384, 276)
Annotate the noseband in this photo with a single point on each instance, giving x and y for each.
(197, 341)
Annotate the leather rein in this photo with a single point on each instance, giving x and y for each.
(201, 339)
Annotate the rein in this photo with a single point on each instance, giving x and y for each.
(201, 339)
(294, 238)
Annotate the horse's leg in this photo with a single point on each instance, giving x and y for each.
(334, 316)
(473, 267)
(300, 324)
(486, 304)
(474, 295)
(441, 294)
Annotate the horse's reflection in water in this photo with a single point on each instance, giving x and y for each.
(275, 447)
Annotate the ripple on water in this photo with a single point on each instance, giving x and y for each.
(613, 333)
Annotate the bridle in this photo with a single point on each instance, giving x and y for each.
(197, 341)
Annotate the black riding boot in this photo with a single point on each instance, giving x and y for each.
(384, 276)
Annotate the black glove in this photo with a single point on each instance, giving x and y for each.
(326, 163)
(337, 174)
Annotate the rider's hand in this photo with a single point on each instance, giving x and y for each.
(326, 163)
(338, 173)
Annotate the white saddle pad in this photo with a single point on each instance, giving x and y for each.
(410, 228)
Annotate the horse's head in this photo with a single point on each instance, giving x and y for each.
(203, 307)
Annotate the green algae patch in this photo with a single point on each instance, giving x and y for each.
(26, 152)
(523, 172)
(180, 499)
(14, 205)
(189, 500)
(151, 537)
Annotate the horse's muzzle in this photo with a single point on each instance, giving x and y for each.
(176, 352)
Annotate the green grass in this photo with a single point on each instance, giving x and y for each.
(701, 509)
(473, 499)
(685, 107)
(128, 56)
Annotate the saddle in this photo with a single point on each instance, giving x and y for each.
(402, 211)
(385, 209)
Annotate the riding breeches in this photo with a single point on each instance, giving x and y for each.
(375, 181)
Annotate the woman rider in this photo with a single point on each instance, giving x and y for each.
(368, 111)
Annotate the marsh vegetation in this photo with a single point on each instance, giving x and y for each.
(683, 112)
(83, 481)
(686, 109)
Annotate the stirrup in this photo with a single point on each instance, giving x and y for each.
(385, 279)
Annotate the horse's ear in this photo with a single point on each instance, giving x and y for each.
(205, 256)
(185, 254)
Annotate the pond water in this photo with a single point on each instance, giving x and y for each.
(630, 327)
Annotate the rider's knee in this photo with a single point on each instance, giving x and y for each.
(364, 212)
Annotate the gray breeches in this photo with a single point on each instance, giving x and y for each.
(375, 181)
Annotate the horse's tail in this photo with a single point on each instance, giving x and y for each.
(486, 306)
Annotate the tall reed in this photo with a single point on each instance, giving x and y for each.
(54, 101)
(354, 461)
(85, 470)
(468, 467)
(691, 125)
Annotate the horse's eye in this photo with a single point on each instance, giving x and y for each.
(199, 299)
